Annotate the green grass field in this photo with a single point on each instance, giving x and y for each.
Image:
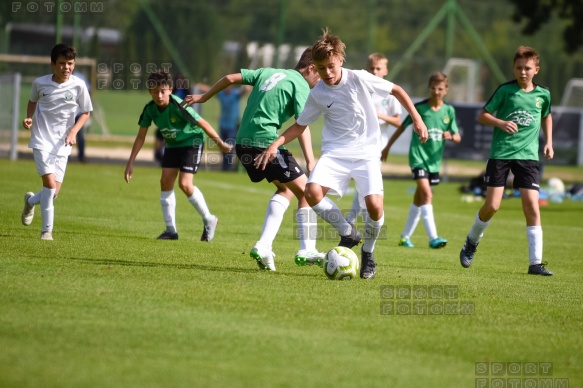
(107, 305)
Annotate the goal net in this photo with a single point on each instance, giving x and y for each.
(464, 80)
(573, 94)
(9, 112)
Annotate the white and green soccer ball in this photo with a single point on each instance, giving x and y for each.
(341, 263)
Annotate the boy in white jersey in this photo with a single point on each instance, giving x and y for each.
(388, 113)
(350, 143)
(425, 159)
(54, 101)
(517, 110)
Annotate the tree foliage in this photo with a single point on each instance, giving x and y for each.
(539, 12)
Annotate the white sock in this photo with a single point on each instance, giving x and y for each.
(47, 209)
(478, 229)
(534, 234)
(330, 212)
(35, 199)
(372, 230)
(276, 208)
(428, 221)
(354, 211)
(307, 228)
(197, 200)
(412, 221)
(168, 202)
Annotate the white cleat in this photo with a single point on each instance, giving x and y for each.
(209, 230)
(309, 257)
(28, 211)
(263, 257)
(47, 236)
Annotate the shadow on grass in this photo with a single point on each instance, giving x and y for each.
(200, 267)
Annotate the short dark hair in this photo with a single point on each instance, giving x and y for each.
(438, 77)
(525, 52)
(159, 78)
(62, 50)
(305, 60)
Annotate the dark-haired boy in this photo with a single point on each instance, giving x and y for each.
(54, 100)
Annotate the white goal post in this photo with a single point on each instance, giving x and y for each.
(573, 94)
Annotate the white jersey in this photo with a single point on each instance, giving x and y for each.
(388, 106)
(351, 126)
(55, 112)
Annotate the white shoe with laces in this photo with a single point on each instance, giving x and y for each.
(309, 257)
(264, 257)
(209, 230)
(28, 211)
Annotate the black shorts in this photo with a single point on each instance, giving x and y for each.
(283, 168)
(526, 173)
(419, 173)
(187, 159)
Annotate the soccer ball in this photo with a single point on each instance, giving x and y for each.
(341, 263)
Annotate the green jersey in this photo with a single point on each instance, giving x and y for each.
(277, 96)
(428, 155)
(510, 103)
(178, 125)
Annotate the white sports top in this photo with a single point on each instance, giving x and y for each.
(389, 106)
(57, 105)
(351, 126)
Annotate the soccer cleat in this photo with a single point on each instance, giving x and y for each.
(168, 236)
(539, 269)
(352, 239)
(47, 236)
(368, 265)
(264, 258)
(209, 230)
(406, 242)
(308, 257)
(467, 253)
(437, 243)
(28, 211)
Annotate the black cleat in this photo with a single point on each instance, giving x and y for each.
(539, 269)
(467, 253)
(168, 236)
(368, 265)
(352, 239)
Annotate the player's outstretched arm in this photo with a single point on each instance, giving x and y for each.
(293, 132)
(223, 83)
(211, 133)
(418, 125)
(138, 143)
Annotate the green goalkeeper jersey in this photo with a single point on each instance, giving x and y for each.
(510, 103)
(178, 125)
(428, 155)
(277, 96)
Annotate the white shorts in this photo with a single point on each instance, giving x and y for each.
(335, 174)
(47, 163)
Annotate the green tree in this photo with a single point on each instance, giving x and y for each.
(539, 12)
